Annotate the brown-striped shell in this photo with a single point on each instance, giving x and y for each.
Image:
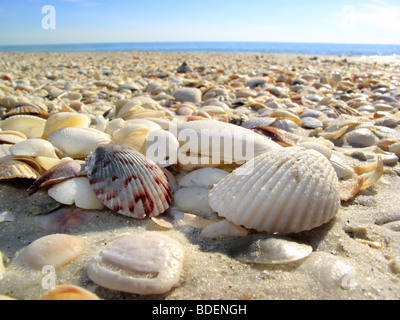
(127, 182)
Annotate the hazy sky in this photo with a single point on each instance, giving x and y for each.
(78, 21)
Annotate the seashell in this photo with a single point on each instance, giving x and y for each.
(64, 219)
(59, 173)
(287, 191)
(286, 125)
(342, 170)
(193, 200)
(34, 148)
(311, 123)
(276, 135)
(329, 271)
(372, 177)
(114, 125)
(125, 108)
(14, 169)
(78, 191)
(350, 188)
(269, 249)
(69, 292)
(77, 142)
(25, 108)
(258, 122)
(56, 250)
(361, 138)
(205, 177)
(106, 83)
(47, 163)
(387, 121)
(65, 119)
(11, 137)
(334, 135)
(327, 152)
(194, 138)
(223, 229)
(31, 126)
(143, 263)
(127, 182)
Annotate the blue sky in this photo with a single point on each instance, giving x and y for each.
(91, 21)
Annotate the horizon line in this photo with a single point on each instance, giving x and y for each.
(211, 41)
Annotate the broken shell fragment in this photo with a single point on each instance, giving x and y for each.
(56, 250)
(127, 182)
(269, 249)
(61, 172)
(287, 191)
(143, 263)
(14, 169)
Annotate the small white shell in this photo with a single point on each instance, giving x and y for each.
(205, 177)
(193, 200)
(78, 191)
(286, 191)
(143, 263)
(77, 142)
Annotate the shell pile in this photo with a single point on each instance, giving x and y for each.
(135, 165)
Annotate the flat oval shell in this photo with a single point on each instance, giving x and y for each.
(287, 191)
(269, 249)
(143, 263)
(127, 182)
(56, 250)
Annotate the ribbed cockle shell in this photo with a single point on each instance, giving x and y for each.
(287, 191)
(127, 182)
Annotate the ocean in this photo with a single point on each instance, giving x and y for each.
(261, 47)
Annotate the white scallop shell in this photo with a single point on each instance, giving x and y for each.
(30, 126)
(286, 191)
(78, 142)
(127, 182)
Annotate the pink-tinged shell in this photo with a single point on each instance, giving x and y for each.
(127, 182)
(64, 219)
(61, 172)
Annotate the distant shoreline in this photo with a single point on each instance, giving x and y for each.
(216, 47)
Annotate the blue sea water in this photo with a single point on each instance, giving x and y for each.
(261, 47)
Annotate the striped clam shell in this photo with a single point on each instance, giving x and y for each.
(287, 191)
(127, 182)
